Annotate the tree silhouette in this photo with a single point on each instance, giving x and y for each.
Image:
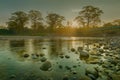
(17, 21)
(54, 20)
(89, 16)
(36, 19)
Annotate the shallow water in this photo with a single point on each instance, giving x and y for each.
(14, 66)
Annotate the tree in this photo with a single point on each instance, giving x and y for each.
(36, 19)
(89, 16)
(113, 23)
(116, 22)
(17, 21)
(54, 20)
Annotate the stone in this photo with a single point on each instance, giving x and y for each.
(85, 78)
(34, 56)
(61, 56)
(43, 59)
(60, 66)
(67, 56)
(65, 77)
(115, 77)
(46, 66)
(92, 72)
(44, 48)
(42, 54)
(74, 66)
(72, 49)
(74, 72)
(84, 55)
(12, 76)
(80, 48)
(68, 68)
(26, 55)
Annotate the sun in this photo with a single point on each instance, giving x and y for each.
(74, 24)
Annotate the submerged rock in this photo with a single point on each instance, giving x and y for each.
(65, 77)
(74, 72)
(115, 77)
(80, 48)
(85, 78)
(74, 66)
(34, 56)
(84, 55)
(46, 66)
(26, 55)
(61, 56)
(67, 56)
(68, 68)
(43, 59)
(42, 54)
(60, 66)
(12, 76)
(92, 73)
(72, 49)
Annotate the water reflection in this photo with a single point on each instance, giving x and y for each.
(22, 57)
(51, 48)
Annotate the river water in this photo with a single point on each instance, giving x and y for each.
(61, 53)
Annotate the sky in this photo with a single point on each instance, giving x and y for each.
(67, 8)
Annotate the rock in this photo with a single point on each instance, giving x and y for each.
(84, 55)
(80, 48)
(72, 49)
(61, 56)
(66, 56)
(74, 66)
(101, 50)
(26, 55)
(41, 54)
(66, 77)
(37, 55)
(46, 66)
(74, 78)
(92, 72)
(60, 66)
(85, 78)
(43, 59)
(12, 76)
(115, 77)
(68, 68)
(93, 62)
(74, 72)
(91, 76)
(34, 56)
(76, 52)
(44, 48)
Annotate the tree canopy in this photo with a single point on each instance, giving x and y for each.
(89, 16)
(17, 21)
(55, 20)
(36, 19)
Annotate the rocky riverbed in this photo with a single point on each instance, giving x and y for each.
(81, 59)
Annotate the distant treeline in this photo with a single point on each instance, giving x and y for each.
(87, 24)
